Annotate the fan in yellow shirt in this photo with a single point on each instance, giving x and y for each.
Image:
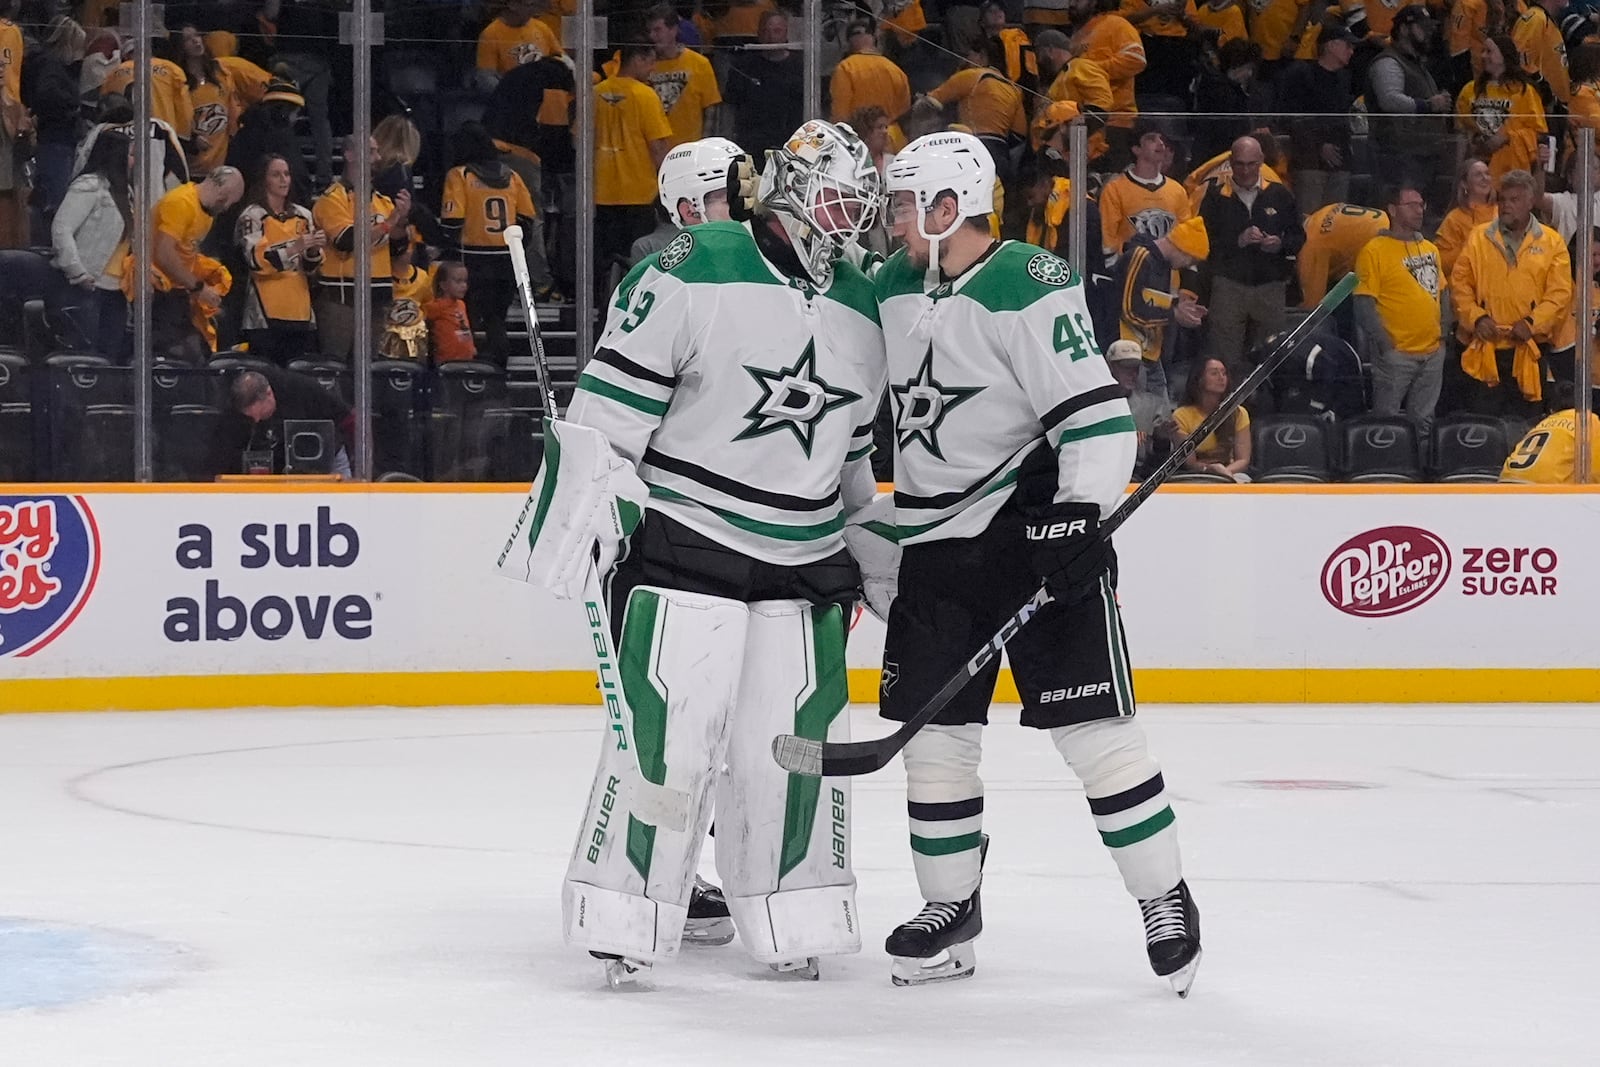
(1335, 235)
(682, 78)
(515, 38)
(987, 102)
(1548, 453)
(1501, 110)
(169, 91)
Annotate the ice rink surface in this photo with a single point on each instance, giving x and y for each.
(296, 889)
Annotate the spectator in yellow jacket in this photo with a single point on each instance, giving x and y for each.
(1511, 288)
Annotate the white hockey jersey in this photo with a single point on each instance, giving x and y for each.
(987, 370)
(740, 394)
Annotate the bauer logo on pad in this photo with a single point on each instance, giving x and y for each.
(49, 561)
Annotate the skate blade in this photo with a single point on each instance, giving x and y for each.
(953, 963)
(708, 933)
(806, 970)
(625, 974)
(1183, 978)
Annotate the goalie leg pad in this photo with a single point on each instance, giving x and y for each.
(944, 800)
(678, 668)
(1128, 800)
(783, 841)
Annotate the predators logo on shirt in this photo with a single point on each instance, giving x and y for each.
(1153, 222)
(669, 86)
(210, 119)
(1425, 269)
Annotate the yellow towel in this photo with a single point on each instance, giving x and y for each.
(1478, 362)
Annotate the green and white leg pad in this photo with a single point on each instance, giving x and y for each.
(678, 671)
(783, 840)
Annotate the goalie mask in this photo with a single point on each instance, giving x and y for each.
(693, 171)
(822, 187)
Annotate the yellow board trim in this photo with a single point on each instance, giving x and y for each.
(404, 689)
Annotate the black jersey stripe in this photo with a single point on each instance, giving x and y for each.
(956, 496)
(1128, 798)
(738, 490)
(947, 812)
(612, 358)
(1068, 408)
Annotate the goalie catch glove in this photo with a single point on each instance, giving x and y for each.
(583, 506)
(1065, 548)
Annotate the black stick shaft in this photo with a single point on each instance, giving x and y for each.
(848, 758)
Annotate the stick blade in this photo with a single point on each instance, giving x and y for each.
(798, 755)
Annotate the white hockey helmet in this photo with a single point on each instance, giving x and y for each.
(692, 170)
(950, 162)
(824, 189)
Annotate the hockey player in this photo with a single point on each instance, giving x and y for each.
(731, 398)
(1013, 441)
(693, 186)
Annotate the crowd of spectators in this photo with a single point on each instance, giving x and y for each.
(1242, 155)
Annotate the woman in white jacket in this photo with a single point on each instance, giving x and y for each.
(89, 238)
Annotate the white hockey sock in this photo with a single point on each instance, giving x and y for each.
(1128, 799)
(944, 799)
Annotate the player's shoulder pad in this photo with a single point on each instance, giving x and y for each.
(897, 277)
(709, 253)
(1019, 275)
(851, 288)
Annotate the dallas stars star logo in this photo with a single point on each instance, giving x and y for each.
(921, 405)
(793, 399)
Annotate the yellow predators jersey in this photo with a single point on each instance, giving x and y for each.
(210, 126)
(480, 203)
(1547, 454)
(1130, 205)
(169, 93)
(1334, 236)
(1228, 21)
(335, 215)
(987, 103)
(278, 290)
(11, 47)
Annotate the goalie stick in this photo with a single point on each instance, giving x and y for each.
(801, 755)
(651, 802)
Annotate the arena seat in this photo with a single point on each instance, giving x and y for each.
(1291, 448)
(1469, 448)
(1381, 448)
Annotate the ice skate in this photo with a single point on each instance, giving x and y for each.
(621, 972)
(936, 946)
(709, 923)
(1172, 936)
(805, 970)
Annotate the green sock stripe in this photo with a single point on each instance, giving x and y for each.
(944, 846)
(1139, 830)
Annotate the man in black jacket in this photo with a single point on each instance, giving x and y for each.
(1254, 231)
(1318, 94)
(260, 401)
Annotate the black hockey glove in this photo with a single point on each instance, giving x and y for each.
(1065, 548)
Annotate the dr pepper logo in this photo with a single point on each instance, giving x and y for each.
(49, 560)
(1385, 571)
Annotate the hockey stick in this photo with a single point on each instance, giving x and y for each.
(652, 803)
(801, 755)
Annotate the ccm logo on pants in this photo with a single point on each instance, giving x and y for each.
(1077, 692)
